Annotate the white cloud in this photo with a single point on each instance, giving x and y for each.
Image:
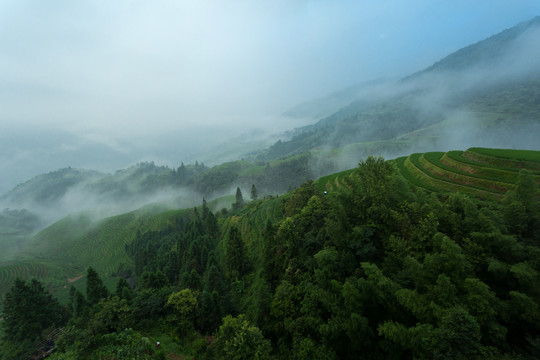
(115, 70)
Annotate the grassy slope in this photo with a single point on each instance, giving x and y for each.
(485, 173)
(252, 218)
(431, 164)
(490, 175)
(334, 181)
(60, 254)
(504, 158)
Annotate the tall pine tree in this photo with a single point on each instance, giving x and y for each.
(95, 290)
(239, 199)
(254, 195)
(236, 261)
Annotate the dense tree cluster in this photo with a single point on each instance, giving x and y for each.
(379, 271)
(375, 270)
(28, 310)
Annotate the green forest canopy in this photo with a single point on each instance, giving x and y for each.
(376, 269)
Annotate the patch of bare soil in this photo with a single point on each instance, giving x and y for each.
(172, 356)
(72, 280)
(69, 281)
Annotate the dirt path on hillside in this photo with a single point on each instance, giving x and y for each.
(172, 356)
(72, 280)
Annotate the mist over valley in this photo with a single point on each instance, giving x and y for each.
(328, 180)
(486, 94)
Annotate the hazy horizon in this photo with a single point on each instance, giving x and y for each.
(103, 85)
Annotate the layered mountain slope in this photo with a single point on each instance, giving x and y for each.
(486, 53)
(472, 97)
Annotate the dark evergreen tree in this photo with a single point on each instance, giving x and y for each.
(458, 337)
(123, 290)
(172, 269)
(28, 309)
(209, 311)
(192, 280)
(78, 303)
(205, 209)
(522, 210)
(181, 174)
(236, 261)
(254, 195)
(270, 259)
(153, 280)
(212, 227)
(95, 289)
(239, 199)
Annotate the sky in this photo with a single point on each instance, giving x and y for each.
(116, 73)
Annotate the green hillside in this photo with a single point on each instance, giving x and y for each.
(63, 251)
(60, 254)
(480, 172)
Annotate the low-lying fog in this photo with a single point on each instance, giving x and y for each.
(30, 151)
(104, 85)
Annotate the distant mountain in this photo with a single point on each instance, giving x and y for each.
(71, 189)
(486, 94)
(49, 197)
(486, 53)
(27, 151)
(48, 189)
(327, 105)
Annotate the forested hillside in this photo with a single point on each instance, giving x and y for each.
(370, 267)
(50, 197)
(144, 180)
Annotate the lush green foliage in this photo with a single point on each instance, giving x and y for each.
(28, 310)
(237, 339)
(366, 267)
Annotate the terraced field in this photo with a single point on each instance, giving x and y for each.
(334, 181)
(253, 219)
(506, 158)
(479, 172)
(26, 271)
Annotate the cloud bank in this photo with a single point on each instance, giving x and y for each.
(124, 75)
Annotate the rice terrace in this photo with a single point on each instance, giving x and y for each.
(480, 172)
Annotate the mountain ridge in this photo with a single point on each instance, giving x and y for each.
(430, 96)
